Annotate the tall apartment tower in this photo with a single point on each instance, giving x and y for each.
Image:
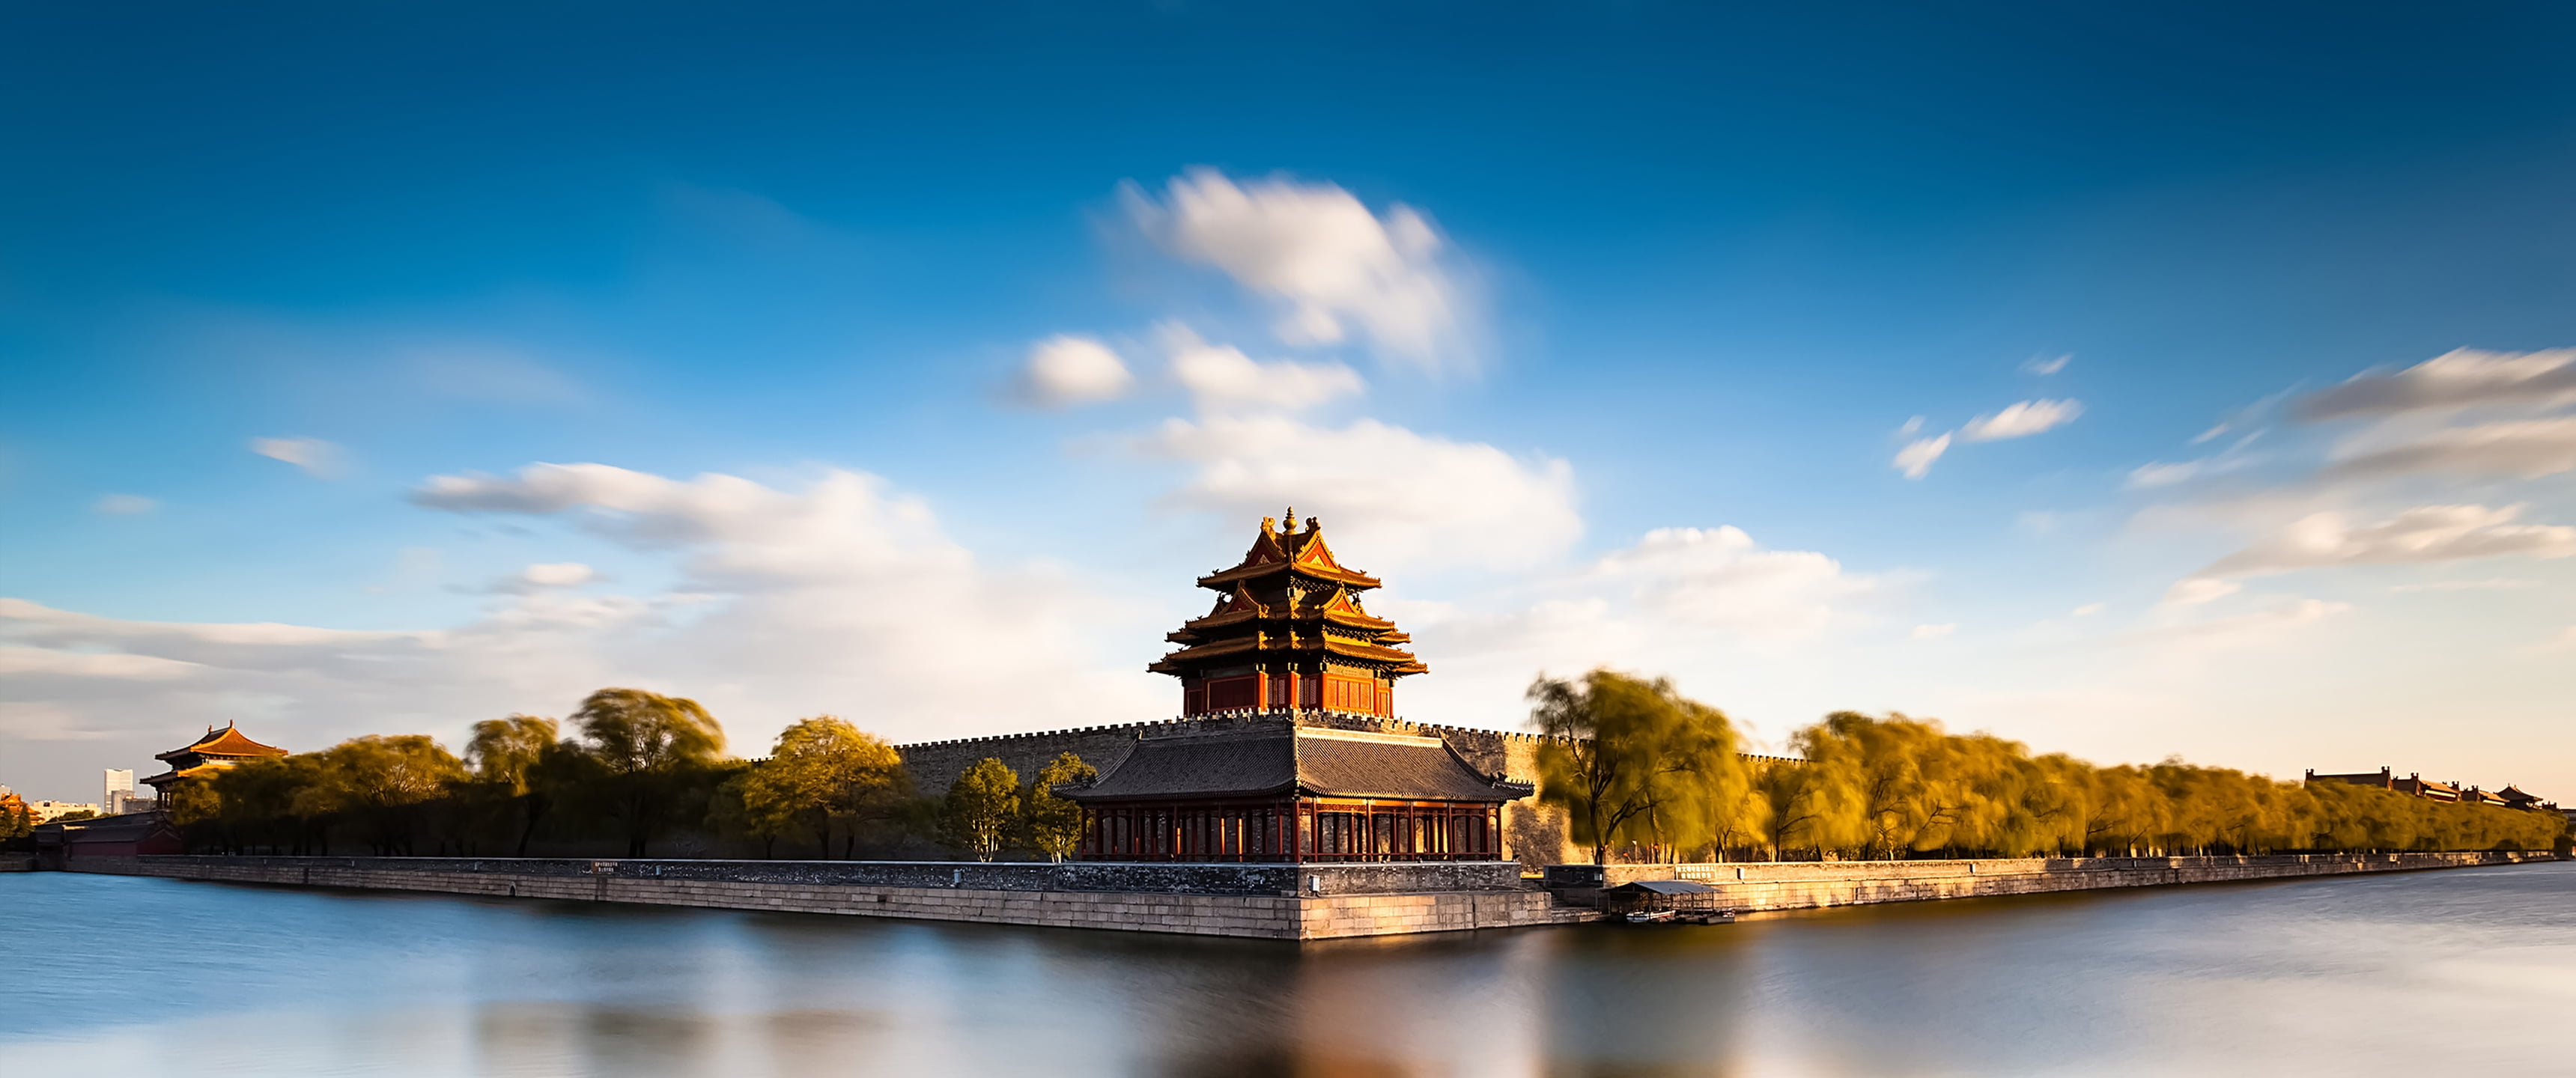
(119, 789)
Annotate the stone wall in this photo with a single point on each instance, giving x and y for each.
(1354, 900)
(1798, 885)
(1303, 902)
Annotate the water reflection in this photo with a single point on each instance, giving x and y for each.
(2449, 971)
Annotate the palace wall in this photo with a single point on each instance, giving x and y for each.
(1533, 833)
(1303, 902)
(1286, 902)
(1802, 885)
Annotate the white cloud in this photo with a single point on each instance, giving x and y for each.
(2455, 379)
(31, 662)
(2198, 590)
(123, 505)
(2045, 367)
(1720, 578)
(1221, 378)
(842, 597)
(1321, 253)
(2089, 609)
(2490, 584)
(1933, 632)
(2431, 533)
(2022, 420)
(545, 575)
(2160, 474)
(1910, 427)
(2525, 448)
(1064, 371)
(315, 456)
(1915, 460)
(1398, 497)
(2270, 624)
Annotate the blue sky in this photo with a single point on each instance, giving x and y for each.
(1532, 303)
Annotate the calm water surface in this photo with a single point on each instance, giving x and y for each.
(2447, 972)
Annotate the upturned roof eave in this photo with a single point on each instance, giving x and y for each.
(1222, 578)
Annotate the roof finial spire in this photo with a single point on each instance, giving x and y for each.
(1288, 523)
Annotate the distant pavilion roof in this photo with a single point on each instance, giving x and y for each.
(224, 742)
(1305, 761)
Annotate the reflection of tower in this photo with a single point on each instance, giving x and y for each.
(119, 790)
(1288, 634)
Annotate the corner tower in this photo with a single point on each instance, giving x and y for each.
(1289, 633)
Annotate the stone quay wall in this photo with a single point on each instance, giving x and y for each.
(1755, 887)
(1289, 902)
(1533, 834)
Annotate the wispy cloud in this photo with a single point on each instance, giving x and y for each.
(2044, 366)
(316, 457)
(2022, 420)
(2458, 378)
(2422, 535)
(123, 505)
(1916, 459)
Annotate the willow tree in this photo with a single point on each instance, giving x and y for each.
(386, 784)
(650, 754)
(510, 757)
(825, 771)
(1054, 824)
(1633, 760)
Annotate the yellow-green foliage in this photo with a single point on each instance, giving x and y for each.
(981, 807)
(1641, 764)
(823, 772)
(1660, 777)
(1055, 824)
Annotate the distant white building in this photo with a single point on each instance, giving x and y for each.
(49, 811)
(117, 788)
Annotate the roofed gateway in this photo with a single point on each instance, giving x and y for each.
(1276, 759)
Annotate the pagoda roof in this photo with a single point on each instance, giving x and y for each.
(177, 773)
(1304, 761)
(1341, 607)
(1280, 548)
(224, 742)
(1270, 644)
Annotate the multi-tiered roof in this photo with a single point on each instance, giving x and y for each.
(1287, 615)
(218, 749)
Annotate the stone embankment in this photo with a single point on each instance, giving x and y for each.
(1800, 885)
(1289, 902)
(1260, 901)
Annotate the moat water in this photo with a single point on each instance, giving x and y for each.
(2440, 972)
